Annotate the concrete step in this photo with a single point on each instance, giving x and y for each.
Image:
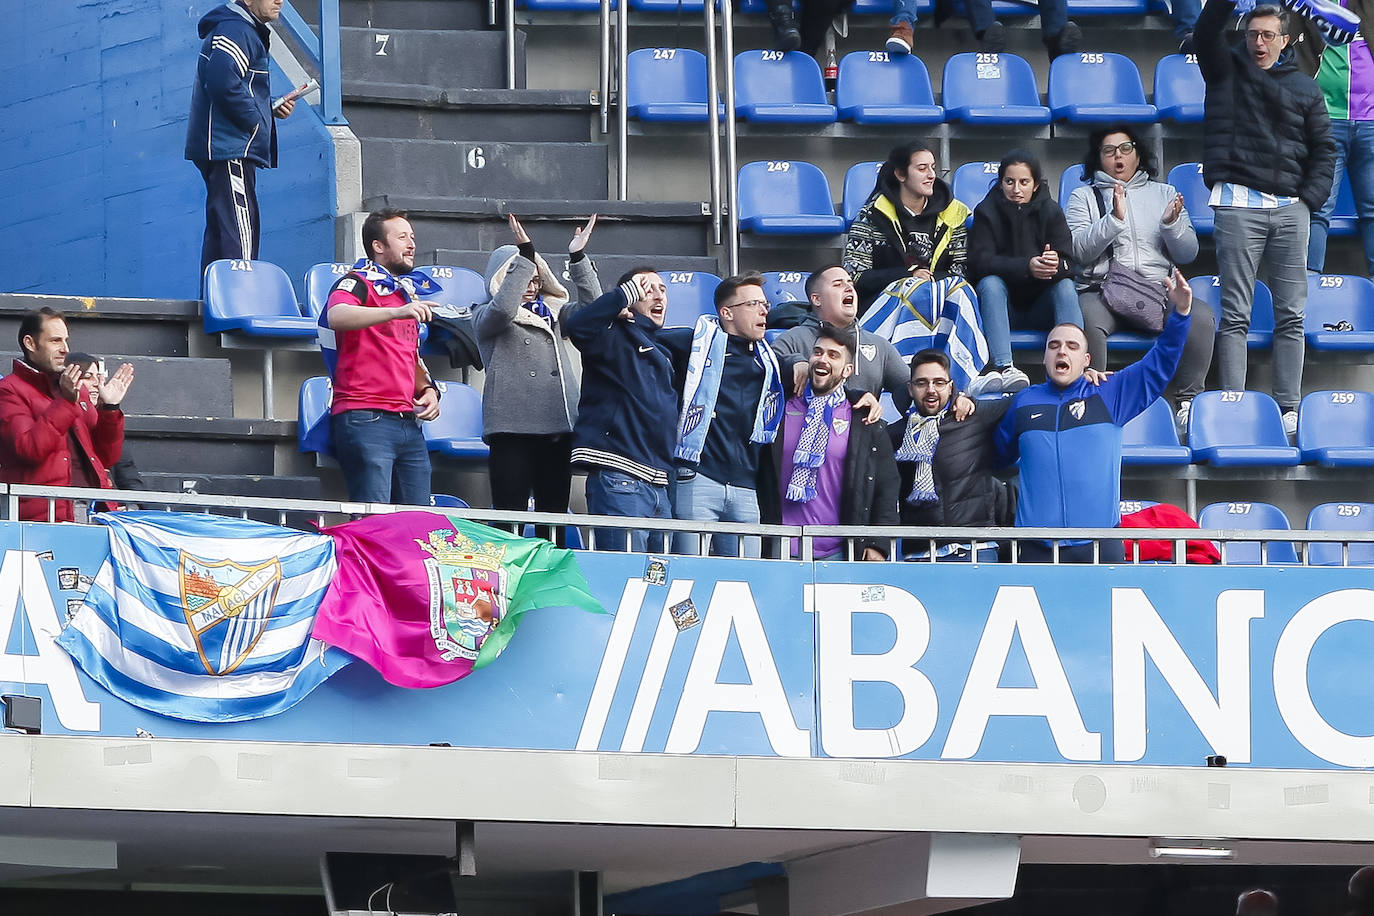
(424, 168)
(429, 57)
(428, 113)
(167, 385)
(255, 485)
(136, 327)
(608, 266)
(408, 14)
(634, 227)
(201, 445)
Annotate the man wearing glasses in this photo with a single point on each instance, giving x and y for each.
(946, 462)
(1269, 159)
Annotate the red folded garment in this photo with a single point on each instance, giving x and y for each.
(1166, 516)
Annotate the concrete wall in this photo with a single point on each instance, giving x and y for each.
(95, 192)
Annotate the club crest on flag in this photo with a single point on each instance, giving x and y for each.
(466, 592)
(227, 607)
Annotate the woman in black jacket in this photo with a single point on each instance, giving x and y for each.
(1019, 257)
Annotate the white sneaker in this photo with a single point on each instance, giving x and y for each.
(989, 384)
(1290, 422)
(1181, 419)
(1013, 380)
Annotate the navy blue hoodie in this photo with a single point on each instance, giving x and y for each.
(231, 104)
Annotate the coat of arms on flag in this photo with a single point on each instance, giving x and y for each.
(227, 606)
(466, 594)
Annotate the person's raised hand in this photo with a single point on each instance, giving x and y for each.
(517, 230)
(1180, 293)
(873, 555)
(1119, 201)
(112, 390)
(1172, 211)
(964, 406)
(581, 235)
(800, 371)
(870, 404)
(1096, 376)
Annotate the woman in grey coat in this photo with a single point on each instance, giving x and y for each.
(1127, 215)
(529, 398)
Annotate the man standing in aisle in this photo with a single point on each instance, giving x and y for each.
(232, 131)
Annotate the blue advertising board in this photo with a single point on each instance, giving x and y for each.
(1132, 665)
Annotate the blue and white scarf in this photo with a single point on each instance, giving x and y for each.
(919, 442)
(705, 366)
(809, 454)
(414, 283)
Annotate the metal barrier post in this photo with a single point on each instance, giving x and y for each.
(713, 119)
(510, 44)
(727, 40)
(604, 76)
(622, 54)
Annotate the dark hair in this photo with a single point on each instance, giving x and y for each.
(634, 271)
(845, 337)
(1257, 902)
(898, 159)
(373, 230)
(1267, 9)
(813, 282)
(84, 360)
(729, 285)
(1024, 157)
(31, 325)
(1092, 160)
(929, 356)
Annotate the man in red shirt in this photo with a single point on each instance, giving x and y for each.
(59, 426)
(381, 387)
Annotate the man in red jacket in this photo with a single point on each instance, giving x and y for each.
(60, 425)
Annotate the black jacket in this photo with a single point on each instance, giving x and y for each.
(1264, 129)
(870, 481)
(1005, 236)
(969, 495)
(886, 241)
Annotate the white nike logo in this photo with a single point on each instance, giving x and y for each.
(645, 349)
(1036, 416)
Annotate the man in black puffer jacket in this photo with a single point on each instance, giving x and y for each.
(1269, 159)
(945, 464)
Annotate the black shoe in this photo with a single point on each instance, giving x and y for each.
(786, 35)
(1185, 45)
(1067, 41)
(994, 39)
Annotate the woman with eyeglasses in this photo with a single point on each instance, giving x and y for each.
(1123, 216)
(530, 392)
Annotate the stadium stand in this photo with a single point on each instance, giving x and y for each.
(457, 433)
(1261, 336)
(781, 286)
(1239, 429)
(319, 280)
(1340, 313)
(780, 87)
(1179, 89)
(1249, 516)
(312, 418)
(992, 89)
(1354, 517)
(1093, 87)
(666, 84)
(1071, 178)
(1336, 428)
(972, 181)
(878, 88)
(1187, 178)
(781, 197)
(689, 296)
(859, 181)
(1152, 439)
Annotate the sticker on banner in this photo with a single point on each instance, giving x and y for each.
(656, 570)
(873, 593)
(684, 614)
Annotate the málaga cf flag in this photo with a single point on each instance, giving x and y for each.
(425, 598)
(205, 618)
(940, 314)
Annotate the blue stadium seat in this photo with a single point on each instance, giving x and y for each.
(773, 334)
(1343, 219)
(972, 181)
(1029, 340)
(1332, 299)
(1152, 439)
(1239, 429)
(457, 433)
(875, 87)
(1179, 89)
(982, 88)
(319, 280)
(1071, 180)
(782, 197)
(1261, 337)
(1187, 178)
(884, 8)
(1336, 428)
(1128, 506)
(1107, 7)
(1341, 517)
(1093, 87)
(667, 6)
(461, 288)
(689, 296)
(666, 84)
(572, 6)
(444, 501)
(859, 182)
(1249, 517)
(780, 87)
(312, 417)
(1001, 8)
(781, 286)
(254, 298)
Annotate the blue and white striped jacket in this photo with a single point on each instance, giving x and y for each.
(231, 105)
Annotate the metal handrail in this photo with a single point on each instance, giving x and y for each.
(604, 65)
(713, 120)
(622, 58)
(322, 53)
(319, 510)
(510, 44)
(727, 40)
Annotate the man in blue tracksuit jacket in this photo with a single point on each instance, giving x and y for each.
(1067, 433)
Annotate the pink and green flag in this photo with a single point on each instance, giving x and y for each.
(425, 597)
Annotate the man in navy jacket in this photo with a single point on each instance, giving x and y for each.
(231, 131)
(1067, 433)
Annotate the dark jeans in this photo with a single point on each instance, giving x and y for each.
(617, 493)
(1042, 552)
(383, 457)
(1053, 15)
(521, 466)
(231, 216)
(1191, 375)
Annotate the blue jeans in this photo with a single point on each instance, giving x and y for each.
(699, 498)
(904, 11)
(383, 457)
(1184, 13)
(616, 493)
(1056, 305)
(1053, 15)
(1354, 155)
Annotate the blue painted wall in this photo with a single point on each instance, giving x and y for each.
(93, 106)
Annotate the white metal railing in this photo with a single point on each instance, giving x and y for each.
(900, 542)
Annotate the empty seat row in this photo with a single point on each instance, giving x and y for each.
(1255, 516)
(874, 87)
(456, 433)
